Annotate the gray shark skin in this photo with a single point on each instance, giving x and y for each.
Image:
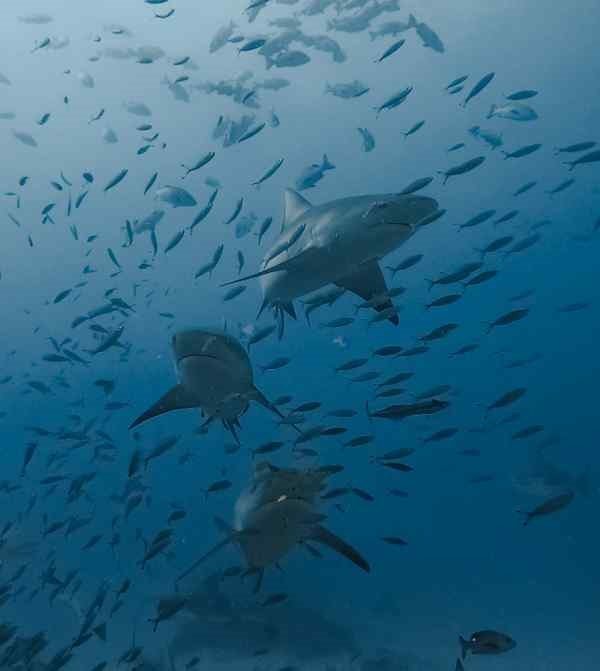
(340, 242)
(215, 376)
(275, 514)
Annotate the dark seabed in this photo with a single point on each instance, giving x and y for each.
(299, 338)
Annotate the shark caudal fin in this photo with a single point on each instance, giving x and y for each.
(321, 535)
(175, 399)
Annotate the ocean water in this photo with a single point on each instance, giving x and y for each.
(95, 535)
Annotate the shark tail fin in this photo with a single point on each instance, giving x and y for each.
(175, 399)
(321, 535)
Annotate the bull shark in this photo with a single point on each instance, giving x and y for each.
(276, 513)
(215, 376)
(339, 242)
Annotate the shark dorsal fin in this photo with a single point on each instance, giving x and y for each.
(294, 205)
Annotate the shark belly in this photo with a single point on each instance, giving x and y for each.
(279, 528)
(218, 390)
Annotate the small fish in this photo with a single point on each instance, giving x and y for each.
(117, 179)
(462, 168)
(486, 642)
(205, 160)
(392, 49)
(479, 87)
(234, 292)
(270, 172)
(508, 318)
(549, 507)
(175, 240)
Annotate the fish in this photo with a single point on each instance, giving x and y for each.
(590, 157)
(428, 36)
(394, 101)
(269, 173)
(175, 196)
(368, 141)
(479, 87)
(270, 522)
(513, 112)
(25, 138)
(117, 179)
(487, 642)
(491, 138)
(508, 318)
(215, 375)
(400, 412)
(313, 174)
(349, 241)
(462, 168)
(522, 151)
(200, 163)
(392, 49)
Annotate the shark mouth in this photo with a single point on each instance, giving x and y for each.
(181, 359)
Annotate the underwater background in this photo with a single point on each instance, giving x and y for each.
(78, 80)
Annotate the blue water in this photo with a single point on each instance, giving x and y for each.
(469, 564)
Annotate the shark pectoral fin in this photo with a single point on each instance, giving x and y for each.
(294, 206)
(259, 397)
(219, 546)
(175, 399)
(321, 535)
(302, 257)
(368, 281)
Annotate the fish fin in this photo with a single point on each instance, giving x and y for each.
(222, 525)
(368, 281)
(284, 265)
(207, 555)
(175, 399)
(321, 535)
(289, 308)
(327, 164)
(294, 206)
(464, 647)
(260, 574)
(259, 397)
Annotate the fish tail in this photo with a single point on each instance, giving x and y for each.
(431, 283)
(412, 21)
(464, 647)
(571, 164)
(490, 114)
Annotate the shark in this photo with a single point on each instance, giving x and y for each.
(340, 242)
(214, 375)
(275, 514)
